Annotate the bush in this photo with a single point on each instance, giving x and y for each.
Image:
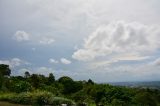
(6, 96)
(41, 97)
(20, 86)
(22, 98)
(35, 98)
(59, 100)
(52, 89)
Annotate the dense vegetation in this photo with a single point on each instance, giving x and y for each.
(37, 89)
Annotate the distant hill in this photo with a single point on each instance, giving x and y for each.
(148, 84)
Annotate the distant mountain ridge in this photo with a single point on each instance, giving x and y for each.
(143, 84)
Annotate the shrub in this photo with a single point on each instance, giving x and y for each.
(20, 86)
(6, 96)
(22, 98)
(59, 100)
(35, 98)
(41, 97)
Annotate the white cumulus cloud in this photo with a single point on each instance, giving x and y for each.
(120, 38)
(53, 61)
(47, 41)
(21, 36)
(111, 60)
(65, 61)
(15, 62)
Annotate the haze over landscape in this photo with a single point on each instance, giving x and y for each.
(105, 40)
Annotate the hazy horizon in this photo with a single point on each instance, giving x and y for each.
(102, 40)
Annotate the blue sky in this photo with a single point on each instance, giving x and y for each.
(105, 40)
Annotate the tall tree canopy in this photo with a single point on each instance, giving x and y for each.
(4, 70)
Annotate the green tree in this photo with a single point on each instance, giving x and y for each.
(65, 79)
(34, 80)
(90, 82)
(27, 74)
(20, 86)
(51, 79)
(144, 99)
(69, 86)
(4, 72)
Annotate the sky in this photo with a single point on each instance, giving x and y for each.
(102, 40)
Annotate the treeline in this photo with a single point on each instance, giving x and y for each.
(45, 90)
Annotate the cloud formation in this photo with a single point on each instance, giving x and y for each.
(52, 27)
(65, 61)
(46, 41)
(15, 62)
(21, 36)
(156, 62)
(120, 38)
(53, 61)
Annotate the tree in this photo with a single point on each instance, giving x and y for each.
(69, 85)
(144, 99)
(27, 74)
(51, 79)
(65, 79)
(4, 70)
(90, 82)
(35, 80)
(20, 86)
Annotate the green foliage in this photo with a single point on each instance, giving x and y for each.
(69, 86)
(41, 97)
(41, 90)
(144, 98)
(4, 70)
(1, 81)
(80, 96)
(65, 79)
(6, 96)
(51, 79)
(20, 86)
(90, 82)
(35, 98)
(59, 100)
(117, 102)
(27, 74)
(52, 89)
